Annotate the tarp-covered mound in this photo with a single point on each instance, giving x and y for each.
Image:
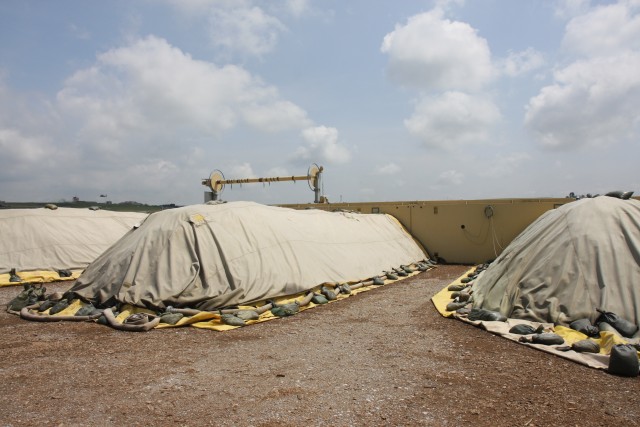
(41, 241)
(210, 256)
(580, 257)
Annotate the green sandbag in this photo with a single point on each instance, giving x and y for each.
(319, 299)
(623, 360)
(232, 320)
(486, 315)
(585, 326)
(401, 272)
(522, 329)
(171, 318)
(624, 326)
(392, 276)
(59, 306)
(378, 281)
(247, 315)
(453, 306)
(456, 287)
(585, 346)
(285, 310)
(345, 288)
(47, 305)
(29, 295)
(464, 296)
(85, 311)
(328, 293)
(547, 338)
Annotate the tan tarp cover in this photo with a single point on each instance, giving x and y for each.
(64, 238)
(208, 256)
(576, 258)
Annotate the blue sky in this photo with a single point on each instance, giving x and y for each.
(410, 100)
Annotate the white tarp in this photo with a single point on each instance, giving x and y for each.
(64, 238)
(576, 258)
(208, 256)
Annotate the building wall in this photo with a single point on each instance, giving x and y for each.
(458, 231)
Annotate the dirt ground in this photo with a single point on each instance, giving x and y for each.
(384, 357)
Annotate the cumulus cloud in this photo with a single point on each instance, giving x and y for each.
(298, 7)
(152, 87)
(522, 62)
(449, 178)
(388, 169)
(592, 102)
(453, 119)
(243, 170)
(22, 152)
(434, 53)
(504, 164)
(322, 146)
(246, 29)
(567, 9)
(605, 30)
(595, 100)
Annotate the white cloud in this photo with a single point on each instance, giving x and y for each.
(298, 7)
(449, 178)
(322, 146)
(245, 29)
(593, 102)
(241, 171)
(151, 88)
(518, 63)
(605, 30)
(21, 154)
(274, 117)
(431, 52)
(453, 119)
(504, 165)
(388, 169)
(567, 9)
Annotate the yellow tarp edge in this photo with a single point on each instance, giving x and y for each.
(37, 276)
(443, 298)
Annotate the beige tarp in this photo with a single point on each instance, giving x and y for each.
(65, 238)
(208, 256)
(576, 258)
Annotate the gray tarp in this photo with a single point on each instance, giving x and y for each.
(65, 238)
(208, 256)
(576, 258)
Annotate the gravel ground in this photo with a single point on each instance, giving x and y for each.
(384, 357)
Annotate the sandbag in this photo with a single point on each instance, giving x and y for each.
(247, 315)
(523, 329)
(586, 346)
(546, 338)
(486, 315)
(623, 360)
(453, 306)
(285, 310)
(585, 326)
(319, 299)
(231, 320)
(456, 287)
(171, 318)
(624, 326)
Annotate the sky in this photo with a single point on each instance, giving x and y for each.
(406, 100)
